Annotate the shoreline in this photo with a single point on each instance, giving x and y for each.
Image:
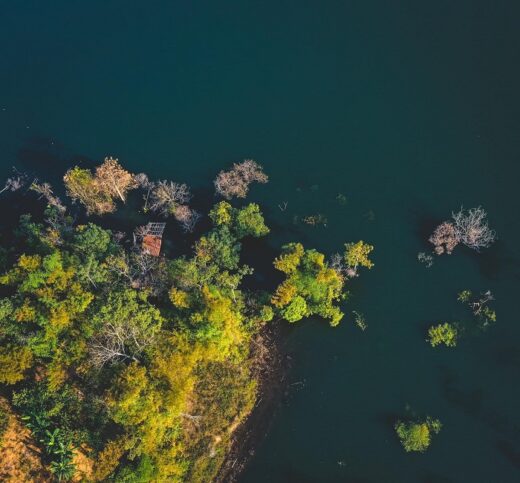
(270, 366)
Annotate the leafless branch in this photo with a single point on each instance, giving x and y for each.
(187, 217)
(166, 196)
(472, 228)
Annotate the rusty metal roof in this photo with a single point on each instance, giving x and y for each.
(152, 245)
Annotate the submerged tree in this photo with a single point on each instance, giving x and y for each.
(425, 258)
(356, 255)
(187, 217)
(472, 228)
(445, 238)
(14, 183)
(311, 286)
(416, 435)
(468, 227)
(145, 184)
(97, 192)
(236, 181)
(81, 186)
(166, 197)
(45, 191)
(479, 306)
(446, 334)
(114, 180)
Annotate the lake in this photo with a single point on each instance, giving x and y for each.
(408, 109)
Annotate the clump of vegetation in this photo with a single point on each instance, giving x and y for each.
(236, 181)
(479, 306)
(312, 285)
(467, 227)
(360, 321)
(15, 182)
(341, 199)
(315, 220)
(357, 255)
(425, 258)
(415, 435)
(98, 191)
(444, 238)
(446, 334)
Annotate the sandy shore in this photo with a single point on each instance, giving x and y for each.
(270, 367)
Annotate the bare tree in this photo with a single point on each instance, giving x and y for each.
(14, 183)
(141, 270)
(187, 217)
(142, 180)
(167, 196)
(478, 305)
(236, 181)
(337, 263)
(145, 184)
(472, 228)
(113, 179)
(445, 238)
(45, 191)
(118, 341)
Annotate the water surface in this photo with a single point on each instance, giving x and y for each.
(408, 108)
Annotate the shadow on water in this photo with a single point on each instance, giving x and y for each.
(424, 224)
(387, 421)
(494, 260)
(48, 160)
(472, 403)
(506, 356)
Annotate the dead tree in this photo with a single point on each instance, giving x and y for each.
(145, 184)
(167, 196)
(338, 265)
(13, 184)
(472, 228)
(118, 341)
(114, 180)
(187, 217)
(45, 191)
(236, 181)
(445, 238)
(479, 305)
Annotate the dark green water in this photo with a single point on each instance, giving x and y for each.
(410, 109)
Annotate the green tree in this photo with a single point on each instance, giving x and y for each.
(356, 254)
(416, 435)
(311, 287)
(14, 361)
(446, 334)
(250, 222)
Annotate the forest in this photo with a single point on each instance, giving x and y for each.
(120, 365)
